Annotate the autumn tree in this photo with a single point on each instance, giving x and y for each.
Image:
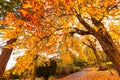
(91, 43)
(48, 23)
(5, 6)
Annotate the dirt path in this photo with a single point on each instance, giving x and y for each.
(91, 73)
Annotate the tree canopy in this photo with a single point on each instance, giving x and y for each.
(47, 24)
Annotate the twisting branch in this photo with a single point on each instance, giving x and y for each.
(78, 31)
(96, 22)
(82, 21)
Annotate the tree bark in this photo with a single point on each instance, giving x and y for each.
(4, 57)
(110, 49)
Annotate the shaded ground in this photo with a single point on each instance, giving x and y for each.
(91, 73)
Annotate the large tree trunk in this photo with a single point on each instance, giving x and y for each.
(4, 57)
(110, 49)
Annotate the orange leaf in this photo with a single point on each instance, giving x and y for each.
(24, 13)
(27, 4)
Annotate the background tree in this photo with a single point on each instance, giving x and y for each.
(92, 44)
(5, 6)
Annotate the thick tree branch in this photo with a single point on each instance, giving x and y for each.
(82, 21)
(96, 22)
(78, 31)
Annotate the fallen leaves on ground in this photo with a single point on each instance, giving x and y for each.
(92, 73)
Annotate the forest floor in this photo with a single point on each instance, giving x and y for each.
(92, 73)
